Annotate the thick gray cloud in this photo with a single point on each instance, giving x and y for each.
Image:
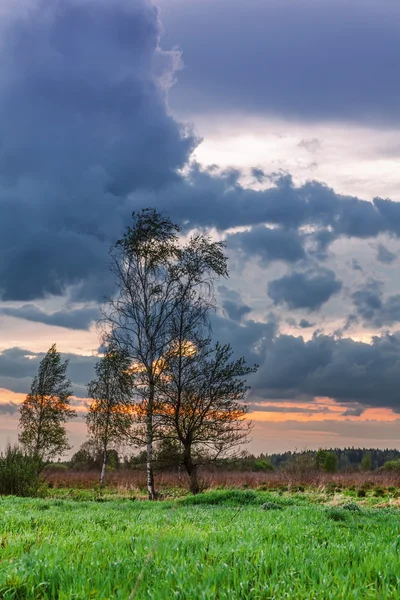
(307, 60)
(385, 256)
(304, 324)
(83, 123)
(356, 374)
(19, 366)
(269, 244)
(87, 137)
(338, 368)
(48, 261)
(249, 339)
(374, 308)
(79, 318)
(309, 290)
(207, 197)
(232, 304)
(234, 310)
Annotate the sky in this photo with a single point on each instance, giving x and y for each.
(273, 124)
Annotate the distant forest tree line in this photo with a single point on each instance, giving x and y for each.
(168, 457)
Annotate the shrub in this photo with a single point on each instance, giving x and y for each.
(361, 493)
(326, 460)
(262, 465)
(336, 514)
(235, 497)
(217, 497)
(352, 506)
(330, 488)
(367, 485)
(392, 466)
(19, 473)
(331, 462)
(379, 492)
(271, 506)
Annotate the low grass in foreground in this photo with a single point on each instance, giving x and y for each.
(220, 545)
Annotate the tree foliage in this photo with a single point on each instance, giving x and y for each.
(153, 273)
(46, 409)
(89, 457)
(202, 405)
(366, 462)
(326, 460)
(110, 415)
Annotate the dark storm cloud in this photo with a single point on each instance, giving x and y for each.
(258, 175)
(291, 368)
(234, 310)
(19, 366)
(342, 369)
(83, 123)
(86, 137)
(374, 308)
(304, 324)
(268, 244)
(306, 59)
(249, 339)
(46, 262)
(206, 197)
(232, 304)
(80, 318)
(308, 290)
(385, 256)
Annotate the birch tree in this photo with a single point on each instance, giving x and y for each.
(110, 414)
(153, 271)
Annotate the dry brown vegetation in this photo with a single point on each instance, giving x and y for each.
(130, 479)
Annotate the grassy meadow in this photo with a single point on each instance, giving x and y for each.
(223, 544)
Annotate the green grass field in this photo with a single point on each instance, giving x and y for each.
(221, 545)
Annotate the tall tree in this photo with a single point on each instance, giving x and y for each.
(153, 271)
(110, 414)
(46, 409)
(366, 462)
(202, 407)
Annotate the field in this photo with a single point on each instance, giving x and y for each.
(135, 480)
(224, 544)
